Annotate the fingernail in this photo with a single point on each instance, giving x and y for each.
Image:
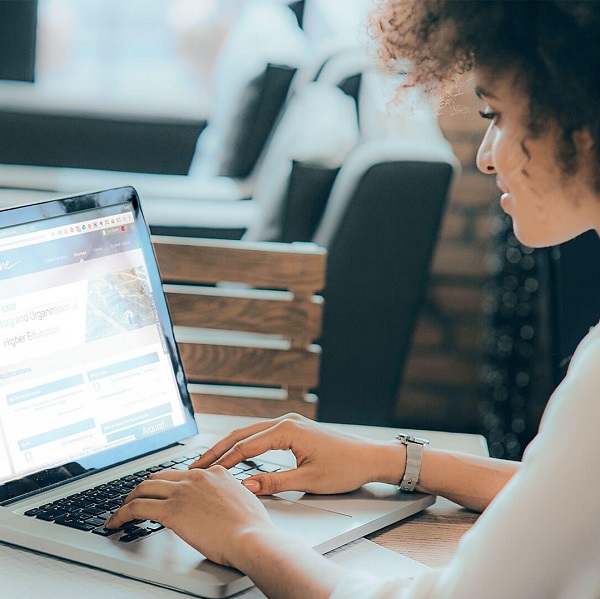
(252, 485)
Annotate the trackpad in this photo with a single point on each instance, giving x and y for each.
(312, 524)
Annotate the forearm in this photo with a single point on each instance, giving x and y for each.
(283, 567)
(469, 480)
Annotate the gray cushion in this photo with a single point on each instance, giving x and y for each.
(319, 127)
(306, 197)
(256, 116)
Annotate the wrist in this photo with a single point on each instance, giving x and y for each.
(389, 462)
(277, 562)
(248, 543)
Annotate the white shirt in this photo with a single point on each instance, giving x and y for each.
(540, 537)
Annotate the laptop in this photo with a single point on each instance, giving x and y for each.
(93, 399)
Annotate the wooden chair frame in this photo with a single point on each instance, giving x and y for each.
(246, 315)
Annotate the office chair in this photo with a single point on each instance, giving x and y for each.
(380, 229)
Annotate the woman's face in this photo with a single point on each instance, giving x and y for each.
(546, 207)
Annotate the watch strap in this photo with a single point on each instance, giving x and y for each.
(414, 458)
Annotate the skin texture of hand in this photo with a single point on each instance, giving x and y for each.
(327, 461)
(208, 509)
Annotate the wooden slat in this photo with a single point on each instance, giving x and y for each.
(270, 317)
(259, 264)
(246, 365)
(250, 406)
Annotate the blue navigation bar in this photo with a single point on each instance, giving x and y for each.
(120, 367)
(47, 389)
(56, 434)
(131, 419)
(142, 430)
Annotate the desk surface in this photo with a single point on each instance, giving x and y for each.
(429, 537)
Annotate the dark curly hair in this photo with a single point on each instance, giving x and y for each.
(553, 46)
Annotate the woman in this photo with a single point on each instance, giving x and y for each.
(535, 66)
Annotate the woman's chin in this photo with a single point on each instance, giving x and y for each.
(540, 238)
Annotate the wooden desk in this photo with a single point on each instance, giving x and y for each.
(430, 537)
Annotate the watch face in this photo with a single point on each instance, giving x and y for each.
(411, 439)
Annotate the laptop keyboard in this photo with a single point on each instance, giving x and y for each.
(88, 510)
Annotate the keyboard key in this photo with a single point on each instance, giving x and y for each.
(246, 465)
(105, 532)
(95, 522)
(152, 526)
(179, 467)
(104, 515)
(50, 514)
(143, 532)
(268, 468)
(75, 524)
(131, 534)
(93, 511)
(127, 538)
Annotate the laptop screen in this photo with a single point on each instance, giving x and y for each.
(89, 370)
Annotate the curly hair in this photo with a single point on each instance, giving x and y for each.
(551, 45)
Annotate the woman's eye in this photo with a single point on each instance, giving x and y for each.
(489, 115)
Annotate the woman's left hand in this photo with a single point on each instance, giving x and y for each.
(208, 509)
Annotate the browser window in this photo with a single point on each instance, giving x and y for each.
(72, 290)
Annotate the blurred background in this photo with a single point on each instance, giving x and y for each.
(137, 87)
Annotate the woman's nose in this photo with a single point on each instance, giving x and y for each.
(484, 154)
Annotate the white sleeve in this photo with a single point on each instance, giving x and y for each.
(364, 586)
(539, 537)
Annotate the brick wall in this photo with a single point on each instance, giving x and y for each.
(441, 378)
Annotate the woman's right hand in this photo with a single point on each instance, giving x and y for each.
(327, 461)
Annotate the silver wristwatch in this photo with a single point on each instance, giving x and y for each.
(414, 457)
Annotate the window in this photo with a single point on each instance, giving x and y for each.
(154, 55)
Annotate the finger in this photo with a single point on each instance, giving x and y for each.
(170, 475)
(277, 436)
(150, 489)
(276, 482)
(139, 508)
(210, 456)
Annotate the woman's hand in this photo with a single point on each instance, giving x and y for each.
(327, 461)
(208, 509)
